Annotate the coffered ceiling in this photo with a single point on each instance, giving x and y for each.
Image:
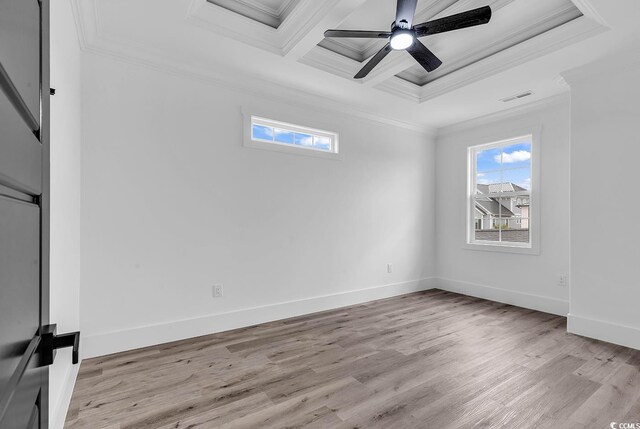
(280, 44)
(267, 12)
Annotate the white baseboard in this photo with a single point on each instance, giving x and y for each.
(519, 299)
(143, 336)
(58, 417)
(605, 331)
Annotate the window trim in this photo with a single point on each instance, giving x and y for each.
(251, 116)
(533, 248)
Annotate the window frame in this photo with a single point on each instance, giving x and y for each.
(533, 247)
(252, 117)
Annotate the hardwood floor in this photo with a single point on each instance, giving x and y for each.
(425, 360)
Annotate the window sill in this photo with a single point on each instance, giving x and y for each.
(291, 149)
(518, 250)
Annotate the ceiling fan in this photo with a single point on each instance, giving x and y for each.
(404, 35)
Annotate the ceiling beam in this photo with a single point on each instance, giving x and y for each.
(333, 12)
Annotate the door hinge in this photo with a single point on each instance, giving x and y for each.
(50, 342)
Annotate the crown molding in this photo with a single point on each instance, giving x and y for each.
(401, 88)
(229, 79)
(554, 19)
(331, 62)
(616, 62)
(293, 34)
(534, 106)
(92, 41)
(553, 40)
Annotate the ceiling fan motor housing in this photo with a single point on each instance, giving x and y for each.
(402, 38)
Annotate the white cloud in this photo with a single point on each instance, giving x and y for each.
(305, 141)
(516, 156)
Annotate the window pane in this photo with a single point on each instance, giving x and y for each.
(283, 136)
(262, 133)
(486, 182)
(303, 140)
(517, 180)
(488, 160)
(486, 211)
(514, 219)
(515, 230)
(517, 155)
(322, 143)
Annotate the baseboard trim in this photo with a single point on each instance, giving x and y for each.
(610, 332)
(519, 299)
(58, 419)
(144, 336)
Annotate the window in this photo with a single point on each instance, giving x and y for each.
(500, 193)
(292, 138)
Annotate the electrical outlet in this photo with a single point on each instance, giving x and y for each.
(389, 268)
(563, 281)
(218, 291)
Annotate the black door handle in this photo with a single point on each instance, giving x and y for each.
(50, 342)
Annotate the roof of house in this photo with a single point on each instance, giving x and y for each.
(492, 207)
(494, 188)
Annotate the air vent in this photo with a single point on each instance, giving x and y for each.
(517, 96)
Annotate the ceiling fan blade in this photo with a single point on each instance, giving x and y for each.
(357, 33)
(466, 19)
(405, 12)
(424, 56)
(374, 61)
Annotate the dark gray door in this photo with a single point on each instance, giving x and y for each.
(24, 214)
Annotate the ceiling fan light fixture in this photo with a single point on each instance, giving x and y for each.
(402, 39)
(404, 34)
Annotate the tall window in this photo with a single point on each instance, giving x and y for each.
(500, 192)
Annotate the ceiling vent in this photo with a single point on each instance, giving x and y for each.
(517, 96)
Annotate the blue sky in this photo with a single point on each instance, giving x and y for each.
(508, 164)
(289, 137)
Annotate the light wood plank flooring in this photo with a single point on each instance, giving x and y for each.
(425, 360)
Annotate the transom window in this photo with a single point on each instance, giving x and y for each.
(500, 203)
(295, 136)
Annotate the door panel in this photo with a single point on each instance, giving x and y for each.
(24, 231)
(21, 160)
(21, 409)
(20, 49)
(19, 281)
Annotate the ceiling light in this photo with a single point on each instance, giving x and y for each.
(401, 39)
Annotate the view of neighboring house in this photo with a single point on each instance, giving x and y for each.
(495, 211)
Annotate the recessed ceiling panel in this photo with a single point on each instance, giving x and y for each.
(377, 15)
(268, 12)
(514, 24)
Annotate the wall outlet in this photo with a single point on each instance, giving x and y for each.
(218, 291)
(389, 268)
(563, 281)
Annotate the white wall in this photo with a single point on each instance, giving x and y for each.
(172, 203)
(529, 281)
(65, 199)
(604, 175)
